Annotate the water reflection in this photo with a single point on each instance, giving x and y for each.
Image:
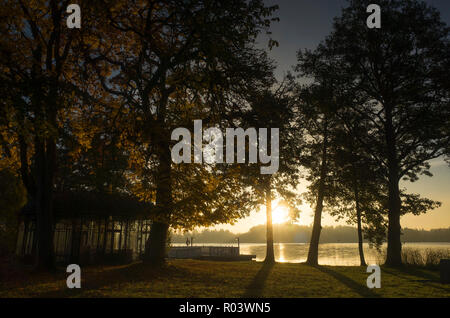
(336, 254)
(281, 257)
(339, 254)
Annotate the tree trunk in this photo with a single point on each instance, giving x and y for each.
(270, 257)
(313, 252)
(155, 248)
(360, 236)
(358, 218)
(394, 248)
(45, 152)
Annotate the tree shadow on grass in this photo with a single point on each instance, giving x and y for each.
(137, 272)
(424, 276)
(360, 289)
(413, 271)
(256, 287)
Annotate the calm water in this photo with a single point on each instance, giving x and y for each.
(337, 254)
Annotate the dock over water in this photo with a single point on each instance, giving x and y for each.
(219, 253)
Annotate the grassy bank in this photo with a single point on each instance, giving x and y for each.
(188, 278)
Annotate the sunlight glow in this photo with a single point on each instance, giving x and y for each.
(280, 215)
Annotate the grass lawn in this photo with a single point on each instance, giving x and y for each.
(192, 279)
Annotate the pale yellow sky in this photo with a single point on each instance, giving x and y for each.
(436, 188)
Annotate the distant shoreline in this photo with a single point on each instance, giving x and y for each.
(293, 233)
(275, 243)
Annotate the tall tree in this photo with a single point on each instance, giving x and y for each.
(356, 187)
(317, 123)
(12, 198)
(357, 179)
(397, 74)
(199, 51)
(37, 62)
(273, 108)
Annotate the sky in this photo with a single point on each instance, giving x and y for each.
(304, 24)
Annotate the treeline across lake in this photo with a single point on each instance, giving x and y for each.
(293, 233)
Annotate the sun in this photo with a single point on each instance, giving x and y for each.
(280, 215)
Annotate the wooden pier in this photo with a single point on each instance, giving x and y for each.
(214, 253)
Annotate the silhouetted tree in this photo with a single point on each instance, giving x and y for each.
(397, 74)
(274, 108)
(165, 52)
(12, 197)
(317, 123)
(38, 62)
(357, 179)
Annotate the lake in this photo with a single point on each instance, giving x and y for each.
(336, 254)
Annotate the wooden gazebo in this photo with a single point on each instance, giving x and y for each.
(90, 227)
